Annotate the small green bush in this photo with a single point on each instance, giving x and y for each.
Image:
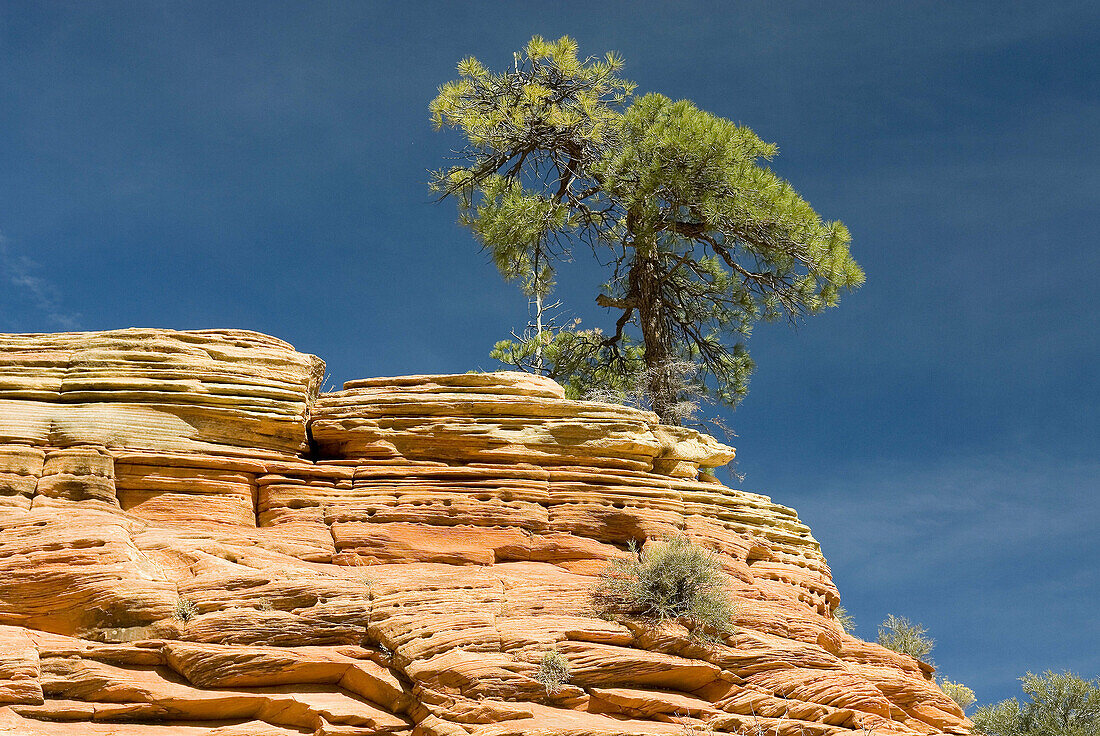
(553, 671)
(905, 637)
(1061, 705)
(960, 693)
(185, 609)
(669, 580)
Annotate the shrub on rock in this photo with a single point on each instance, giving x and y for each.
(905, 637)
(185, 609)
(553, 671)
(960, 693)
(670, 580)
(845, 620)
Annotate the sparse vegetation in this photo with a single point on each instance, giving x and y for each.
(670, 580)
(1060, 705)
(960, 693)
(185, 609)
(635, 388)
(905, 637)
(781, 726)
(553, 671)
(846, 620)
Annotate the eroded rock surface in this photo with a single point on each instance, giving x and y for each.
(192, 541)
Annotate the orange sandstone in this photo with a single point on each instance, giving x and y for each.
(193, 541)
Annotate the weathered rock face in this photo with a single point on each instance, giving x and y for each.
(193, 542)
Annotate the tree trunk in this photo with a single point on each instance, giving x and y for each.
(538, 331)
(645, 283)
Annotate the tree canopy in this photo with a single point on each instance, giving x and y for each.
(700, 238)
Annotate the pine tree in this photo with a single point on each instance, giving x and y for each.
(701, 238)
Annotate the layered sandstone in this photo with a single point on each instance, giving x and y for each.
(193, 541)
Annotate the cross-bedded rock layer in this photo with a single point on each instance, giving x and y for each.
(192, 541)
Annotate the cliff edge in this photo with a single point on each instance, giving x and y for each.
(193, 540)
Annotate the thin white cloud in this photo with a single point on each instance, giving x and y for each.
(19, 272)
(994, 552)
(984, 510)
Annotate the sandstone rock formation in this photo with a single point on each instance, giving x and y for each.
(193, 541)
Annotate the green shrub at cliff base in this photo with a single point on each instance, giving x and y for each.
(1059, 705)
(670, 580)
(905, 637)
(699, 238)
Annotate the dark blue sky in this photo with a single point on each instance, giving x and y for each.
(263, 166)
